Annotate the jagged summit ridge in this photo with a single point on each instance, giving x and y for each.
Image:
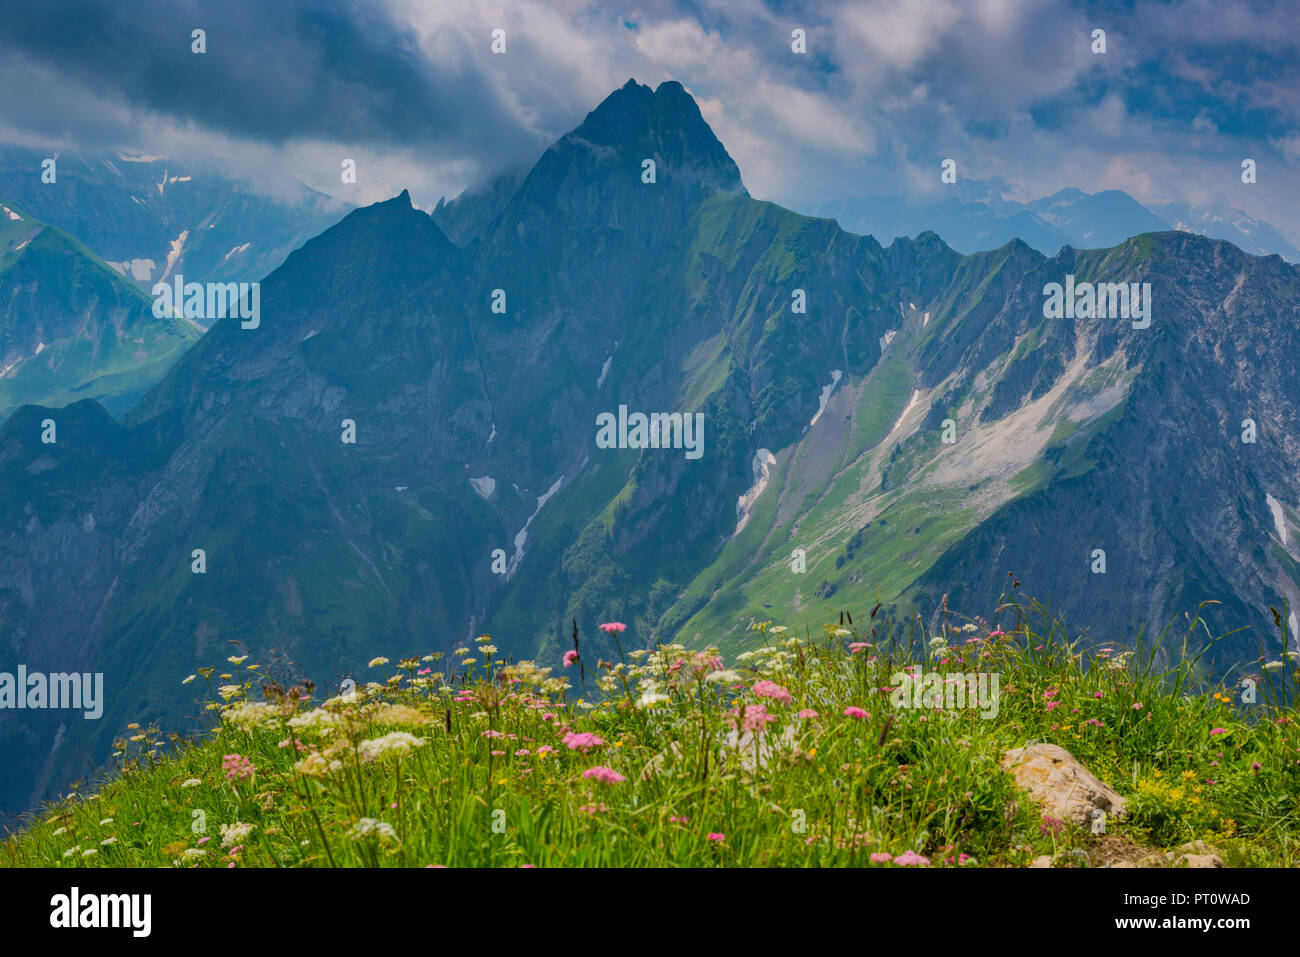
(604, 154)
(667, 121)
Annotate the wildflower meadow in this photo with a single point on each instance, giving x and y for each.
(805, 750)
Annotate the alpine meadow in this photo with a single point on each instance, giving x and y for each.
(941, 512)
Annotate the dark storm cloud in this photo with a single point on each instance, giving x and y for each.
(338, 71)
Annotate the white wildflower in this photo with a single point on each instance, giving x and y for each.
(370, 827)
(237, 833)
(248, 715)
(316, 765)
(725, 676)
(396, 742)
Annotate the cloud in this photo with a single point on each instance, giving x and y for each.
(888, 88)
(273, 72)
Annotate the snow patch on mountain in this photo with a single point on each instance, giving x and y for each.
(484, 486)
(1279, 517)
(836, 375)
(522, 537)
(178, 246)
(140, 270)
(762, 466)
(234, 252)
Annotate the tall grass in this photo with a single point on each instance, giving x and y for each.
(794, 754)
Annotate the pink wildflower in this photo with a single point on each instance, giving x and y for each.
(604, 775)
(852, 711)
(770, 689)
(911, 859)
(584, 742)
(237, 766)
(755, 717)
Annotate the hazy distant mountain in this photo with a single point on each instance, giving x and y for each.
(151, 217)
(477, 497)
(977, 218)
(967, 225)
(1238, 228)
(70, 327)
(1096, 220)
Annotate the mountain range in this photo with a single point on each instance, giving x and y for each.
(407, 451)
(151, 217)
(71, 327)
(978, 216)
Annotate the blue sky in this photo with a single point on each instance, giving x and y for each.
(1011, 90)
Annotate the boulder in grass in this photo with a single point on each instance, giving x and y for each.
(1064, 787)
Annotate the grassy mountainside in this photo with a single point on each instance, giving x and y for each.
(796, 753)
(70, 327)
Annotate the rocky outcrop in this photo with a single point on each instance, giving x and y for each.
(1063, 786)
